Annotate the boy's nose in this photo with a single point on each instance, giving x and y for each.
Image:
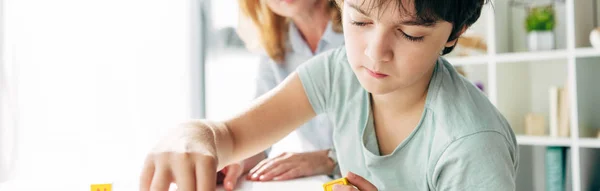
(379, 48)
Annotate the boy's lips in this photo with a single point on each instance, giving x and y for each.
(376, 74)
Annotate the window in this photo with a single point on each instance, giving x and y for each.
(230, 68)
(98, 82)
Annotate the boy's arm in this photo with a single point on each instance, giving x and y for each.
(199, 148)
(266, 80)
(481, 161)
(269, 119)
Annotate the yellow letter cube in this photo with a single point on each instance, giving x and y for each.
(101, 187)
(329, 185)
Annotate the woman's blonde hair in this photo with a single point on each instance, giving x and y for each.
(273, 28)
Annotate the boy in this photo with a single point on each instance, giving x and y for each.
(404, 119)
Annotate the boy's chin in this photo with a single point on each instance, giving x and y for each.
(377, 89)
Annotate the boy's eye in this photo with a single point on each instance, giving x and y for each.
(412, 38)
(406, 36)
(358, 23)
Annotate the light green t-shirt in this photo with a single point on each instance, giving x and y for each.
(461, 143)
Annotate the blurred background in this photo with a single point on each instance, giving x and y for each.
(86, 87)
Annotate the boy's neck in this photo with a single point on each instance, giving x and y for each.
(312, 24)
(405, 100)
(397, 114)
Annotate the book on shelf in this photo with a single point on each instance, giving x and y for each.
(568, 170)
(553, 117)
(559, 112)
(555, 169)
(563, 112)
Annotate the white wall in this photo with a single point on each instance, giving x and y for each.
(514, 93)
(588, 96)
(584, 22)
(478, 73)
(230, 82)
(544, 75)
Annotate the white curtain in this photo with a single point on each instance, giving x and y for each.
(8, 110)
(98, 82)
(8, 122)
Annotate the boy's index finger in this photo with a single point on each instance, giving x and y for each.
(361, 183)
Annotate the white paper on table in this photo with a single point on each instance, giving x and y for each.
(301, 184)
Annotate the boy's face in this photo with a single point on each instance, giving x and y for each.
(387, 49)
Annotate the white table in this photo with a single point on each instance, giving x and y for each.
(314, 183)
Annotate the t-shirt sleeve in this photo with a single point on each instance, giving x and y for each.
(482, 161)
(316, 76)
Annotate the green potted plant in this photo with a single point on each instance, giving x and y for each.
(540, 24)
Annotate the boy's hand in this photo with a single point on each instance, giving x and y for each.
(232, 174)
(292, 165)
(190, 171)
(186, 156)
(358, 181)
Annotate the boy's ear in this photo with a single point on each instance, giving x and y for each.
(453, 42)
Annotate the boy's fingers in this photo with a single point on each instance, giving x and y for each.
(184, 176)
(361, 183)
(147, 174)
(206, 175)
(161, 180)
(231, 178)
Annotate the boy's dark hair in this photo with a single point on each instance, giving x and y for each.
(461, 13)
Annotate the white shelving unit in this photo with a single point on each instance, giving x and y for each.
(543, 141)
(589, 143)
(565, 60)
(524, 56)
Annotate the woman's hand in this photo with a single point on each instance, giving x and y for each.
(186, 157)
(360, 184)
(292, 165)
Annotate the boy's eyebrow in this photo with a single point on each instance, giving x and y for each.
(418, 22)
(411, 22)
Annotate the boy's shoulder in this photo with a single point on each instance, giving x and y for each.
(461, 109)
(328, 61)
(335, 55)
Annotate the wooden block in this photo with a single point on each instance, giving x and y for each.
(535, 124)
(329, 185)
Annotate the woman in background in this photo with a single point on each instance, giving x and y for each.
(291, 32)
